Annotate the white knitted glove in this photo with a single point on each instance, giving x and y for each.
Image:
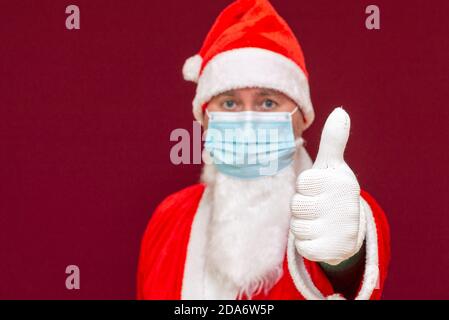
(327, 220)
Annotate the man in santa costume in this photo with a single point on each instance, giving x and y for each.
(279, 226)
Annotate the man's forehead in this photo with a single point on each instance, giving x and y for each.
(253, 91)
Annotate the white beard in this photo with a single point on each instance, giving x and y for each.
(248, 230)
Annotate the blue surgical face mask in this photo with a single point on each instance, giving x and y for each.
(249, 144)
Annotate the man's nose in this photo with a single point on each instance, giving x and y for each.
(249, 107)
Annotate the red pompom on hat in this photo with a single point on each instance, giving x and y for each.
(249, 45)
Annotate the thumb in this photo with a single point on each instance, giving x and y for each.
(333, 140)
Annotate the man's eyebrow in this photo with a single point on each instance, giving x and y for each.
(230, 93)
(263, 93)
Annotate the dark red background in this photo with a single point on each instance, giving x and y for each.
(85, 119)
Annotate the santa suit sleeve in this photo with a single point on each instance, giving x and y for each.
(309, 279)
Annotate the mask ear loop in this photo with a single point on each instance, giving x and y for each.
(294, 111)
(208, 115)
(300, 141)
(301, 114)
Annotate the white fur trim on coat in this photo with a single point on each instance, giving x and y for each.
(252, 67)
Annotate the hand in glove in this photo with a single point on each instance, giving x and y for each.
(327, 215)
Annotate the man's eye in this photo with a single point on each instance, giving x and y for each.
(229, 104)
(269, 104)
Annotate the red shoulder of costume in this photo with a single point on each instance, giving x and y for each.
(164, 245)
(383, 242)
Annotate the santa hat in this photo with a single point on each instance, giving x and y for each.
(249, 45)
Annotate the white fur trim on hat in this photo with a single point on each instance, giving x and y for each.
(253, 67)
(192, 67)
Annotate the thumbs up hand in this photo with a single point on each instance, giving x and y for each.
(327, 219)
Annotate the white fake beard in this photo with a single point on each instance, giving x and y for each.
(248, 230)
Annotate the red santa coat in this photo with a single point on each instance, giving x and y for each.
(164, 250)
